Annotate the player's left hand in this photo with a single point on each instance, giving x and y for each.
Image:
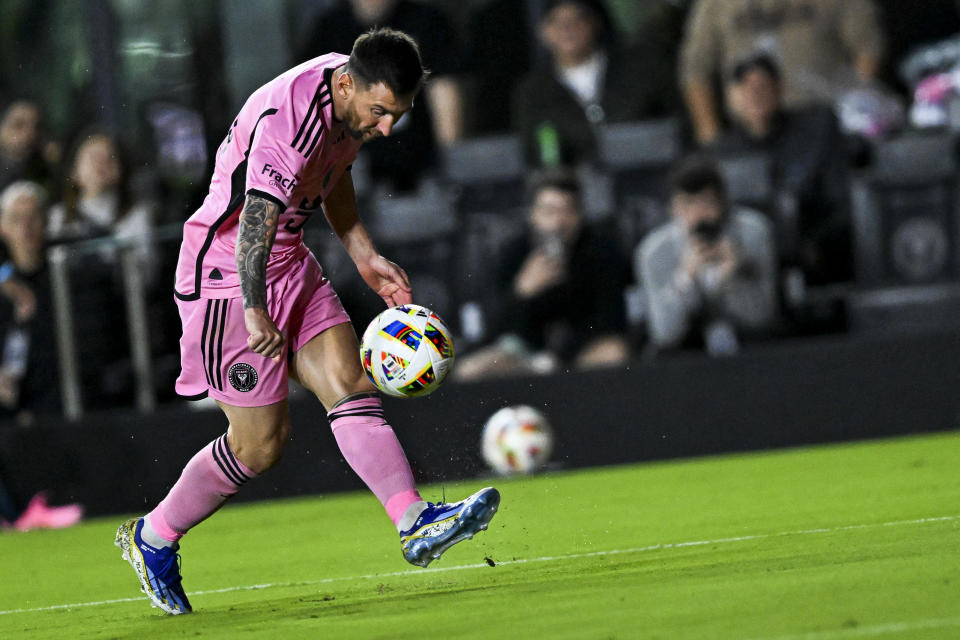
(387, 279)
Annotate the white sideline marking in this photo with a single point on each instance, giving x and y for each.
(872, 630)
(571, 556)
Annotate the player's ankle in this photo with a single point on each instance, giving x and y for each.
(410, 515)
(152, 537)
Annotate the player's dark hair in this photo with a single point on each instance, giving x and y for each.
(696, 174)
(388, 56)
(558, 178)
(762, 61)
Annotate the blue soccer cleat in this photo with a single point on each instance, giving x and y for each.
(441, 526)
(157, 568)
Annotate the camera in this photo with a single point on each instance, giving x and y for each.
(707, 230)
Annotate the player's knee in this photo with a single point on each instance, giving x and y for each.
(343, 386)
(272, 450)
(358, 383)
(261, 453)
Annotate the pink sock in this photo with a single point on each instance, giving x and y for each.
(372, 450)
(212, 475)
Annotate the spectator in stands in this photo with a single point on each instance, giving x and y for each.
(586, 82)
(29, 383)
(809, 164)
(560, 289)
(97, 201)
(29, 376)
(710, 274)
(24, 154)
(823, 46)
(439, 121)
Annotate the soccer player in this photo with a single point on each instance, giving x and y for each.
(256, 309)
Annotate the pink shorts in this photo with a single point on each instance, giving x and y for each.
(214, 357)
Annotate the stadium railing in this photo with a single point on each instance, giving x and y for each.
(118, 270)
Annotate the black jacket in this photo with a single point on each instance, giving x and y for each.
(629, 92)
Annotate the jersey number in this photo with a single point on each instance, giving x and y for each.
(305, 210)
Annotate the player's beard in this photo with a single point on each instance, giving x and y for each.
(363, 135)
(353, 133)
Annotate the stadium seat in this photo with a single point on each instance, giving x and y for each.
(916, 157)
(905, 209)
(487, 172)
(645, 143)
(424, 215)
(906, 235)
(639, 155)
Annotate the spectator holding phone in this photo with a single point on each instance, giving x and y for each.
(710, 274)
(559, 294)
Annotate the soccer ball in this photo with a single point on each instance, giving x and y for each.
(407, 351)
(517, 440)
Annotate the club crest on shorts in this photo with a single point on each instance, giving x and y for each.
(242, 376)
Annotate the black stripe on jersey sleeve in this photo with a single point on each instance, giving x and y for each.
(268, 196)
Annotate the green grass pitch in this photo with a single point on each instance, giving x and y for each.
(850, 541)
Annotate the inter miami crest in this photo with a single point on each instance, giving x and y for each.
(242, 376)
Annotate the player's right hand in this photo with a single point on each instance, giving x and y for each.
(386, 278)
(265, 338)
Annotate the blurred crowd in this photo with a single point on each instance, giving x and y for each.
(633, 178)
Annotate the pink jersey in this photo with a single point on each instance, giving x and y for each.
(286, 146)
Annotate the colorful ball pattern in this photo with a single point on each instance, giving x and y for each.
(517, 440)
(407, 351)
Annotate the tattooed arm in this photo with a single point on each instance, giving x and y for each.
(258, 228)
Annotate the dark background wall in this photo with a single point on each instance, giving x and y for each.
(782, 395)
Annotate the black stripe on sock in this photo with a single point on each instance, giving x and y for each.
(369, 406)
(231, 460)
(372, 405)
(363, 395)
(362, 414)
(220, 463)
(356, 412)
